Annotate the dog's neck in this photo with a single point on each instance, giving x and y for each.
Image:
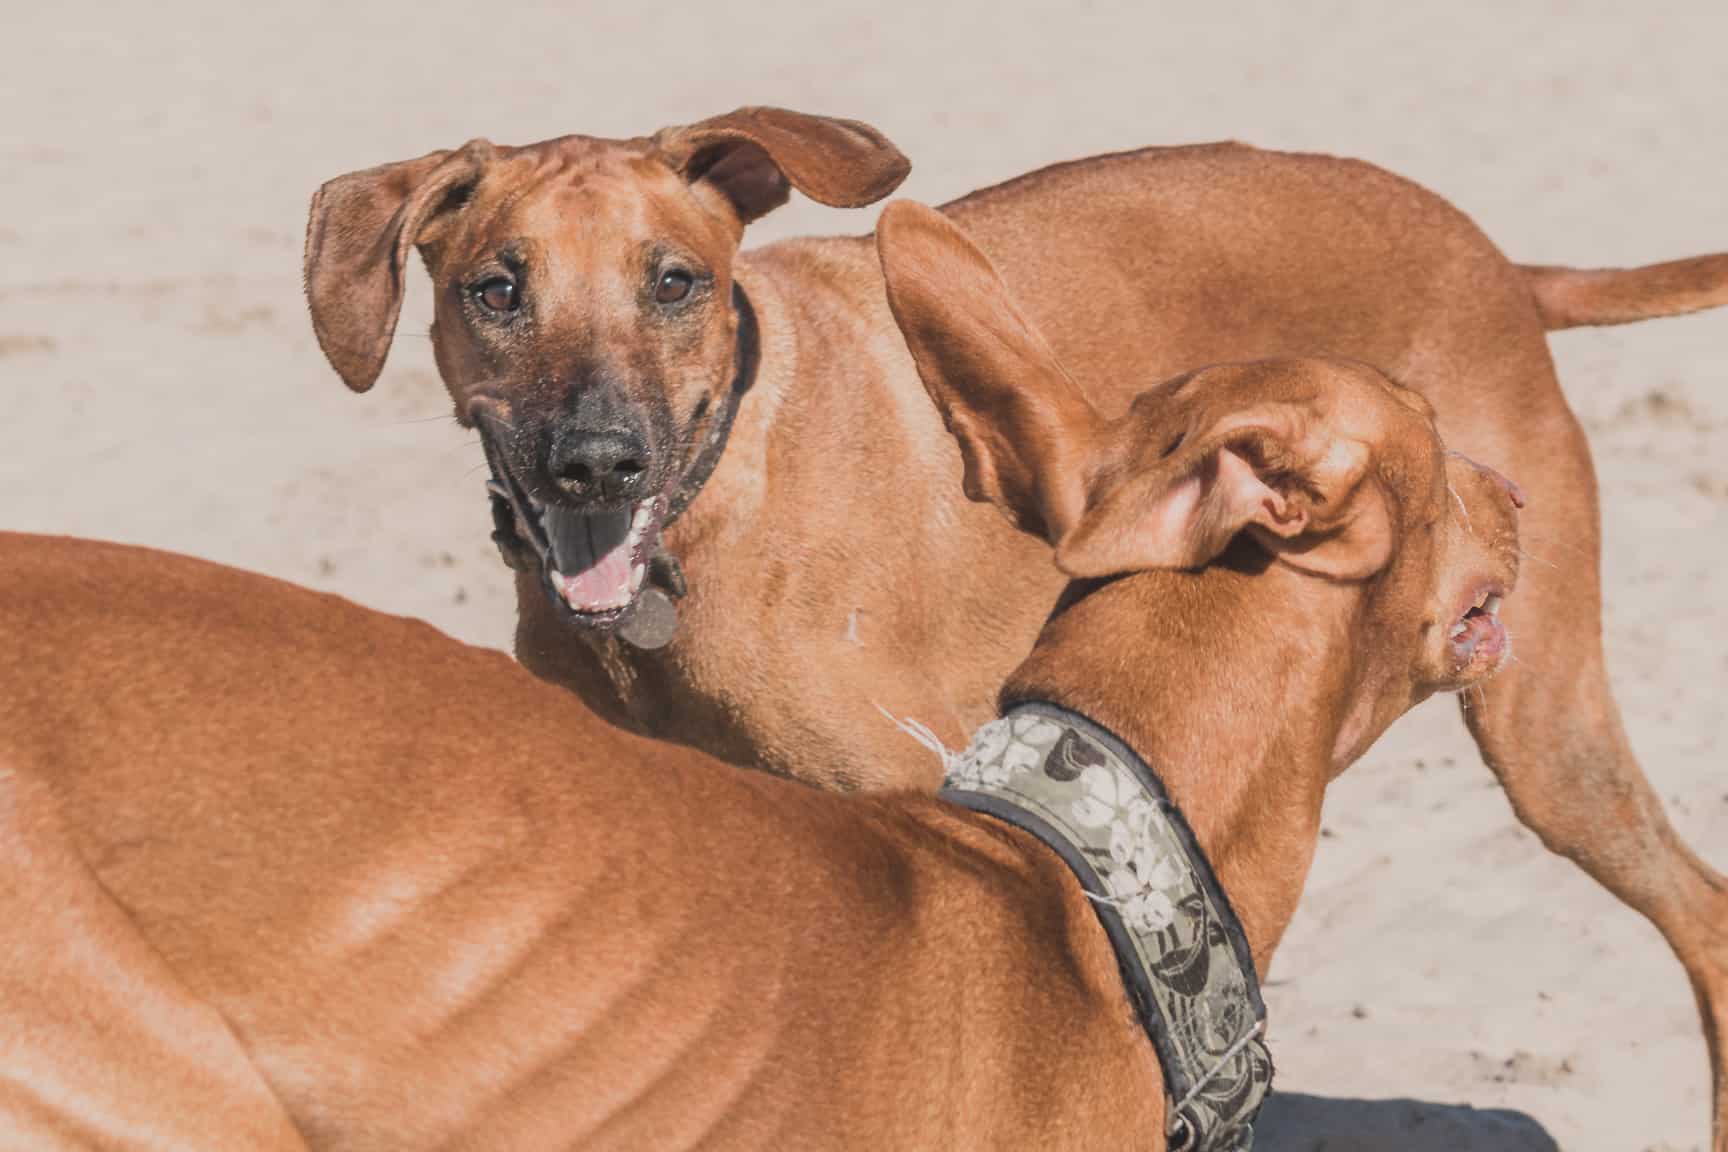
(706, 454)
(1245, 713)
(733, 488)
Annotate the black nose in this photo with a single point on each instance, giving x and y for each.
(606, 465)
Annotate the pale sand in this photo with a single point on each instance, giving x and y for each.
(160, 384)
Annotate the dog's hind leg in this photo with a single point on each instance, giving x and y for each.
(1549, 728)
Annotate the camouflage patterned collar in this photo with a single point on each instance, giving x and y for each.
(1184, 958)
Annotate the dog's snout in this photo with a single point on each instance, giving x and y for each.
(1505, 483)
(600, 465)
(1513, 492)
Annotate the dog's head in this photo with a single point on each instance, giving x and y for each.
(1325, 467)
(585, 319)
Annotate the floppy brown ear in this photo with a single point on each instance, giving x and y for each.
(1276, 471)
(754, 156)
(1028, 436)
(358, 235)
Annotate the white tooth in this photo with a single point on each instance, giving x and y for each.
(637, 572)
(1459, 630)
(1491, 606)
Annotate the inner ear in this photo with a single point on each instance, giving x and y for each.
(744, 174)
(1355, 546)
(753, 157)
(1180, 514)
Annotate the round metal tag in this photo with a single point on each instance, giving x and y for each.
(653, 622)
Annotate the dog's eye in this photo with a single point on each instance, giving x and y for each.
(497, 294)
(673, 285)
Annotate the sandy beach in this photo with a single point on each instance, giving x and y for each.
(1448, 984)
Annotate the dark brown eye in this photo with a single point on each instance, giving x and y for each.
(673, 286)
(497, 294)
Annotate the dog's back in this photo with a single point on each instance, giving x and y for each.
(435, 900)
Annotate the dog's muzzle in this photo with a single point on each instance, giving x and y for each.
(605, 568)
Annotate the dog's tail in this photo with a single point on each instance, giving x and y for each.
(1588, 297)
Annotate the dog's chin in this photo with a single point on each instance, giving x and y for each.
(603, 620)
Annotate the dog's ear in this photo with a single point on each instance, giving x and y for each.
(1028, 437)
(1278, 471)
(358, 235)
(754, 156)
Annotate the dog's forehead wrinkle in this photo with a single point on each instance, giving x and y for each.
(567, 157)
(530, 179)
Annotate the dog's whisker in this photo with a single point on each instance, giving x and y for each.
(1527, 535)
(1511, 647)
(503, 423)
(422, 420)
(1528, 555)
(1463, 511)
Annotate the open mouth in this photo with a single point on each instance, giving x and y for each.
(1478, 641)
(599, 559)
(592, 562)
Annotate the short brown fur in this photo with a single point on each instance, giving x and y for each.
(834, 568)
(431, 901)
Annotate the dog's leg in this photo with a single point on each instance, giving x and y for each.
(1549, 728)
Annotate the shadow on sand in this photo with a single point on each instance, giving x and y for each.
(1293, 1122)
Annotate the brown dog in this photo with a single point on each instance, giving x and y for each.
(439, 904)
(586, 286)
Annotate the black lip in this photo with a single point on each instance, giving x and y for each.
(608, 621)
(503, 486)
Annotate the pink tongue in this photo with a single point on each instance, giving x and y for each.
(605, 585)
